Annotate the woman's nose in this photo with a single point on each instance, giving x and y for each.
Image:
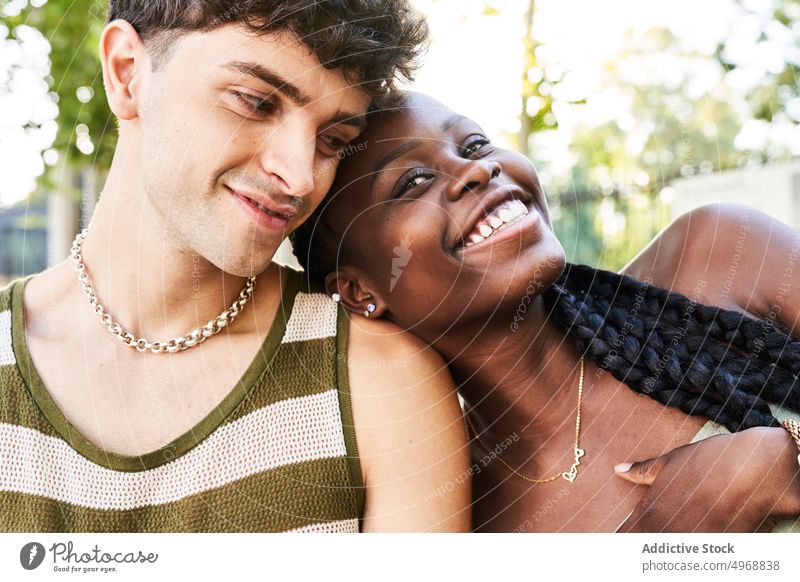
(471, 175)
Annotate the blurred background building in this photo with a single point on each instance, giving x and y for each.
(633, 111)
(774, 188)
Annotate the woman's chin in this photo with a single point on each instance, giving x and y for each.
(503, 285)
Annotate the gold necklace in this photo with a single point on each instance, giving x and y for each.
(570, 475)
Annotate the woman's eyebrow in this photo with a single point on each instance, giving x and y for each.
(396, 153)
(408, 146)
(391, 156)
(451, 121)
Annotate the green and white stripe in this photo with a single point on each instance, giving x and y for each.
(278, 454)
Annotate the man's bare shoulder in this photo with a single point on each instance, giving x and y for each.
(379, 348)
(396, 378)
(410, 431)
(720, 253)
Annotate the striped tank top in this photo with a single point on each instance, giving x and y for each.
(277, 454)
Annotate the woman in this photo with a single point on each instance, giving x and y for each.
(432, 227)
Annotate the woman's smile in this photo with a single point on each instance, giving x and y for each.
(505, 221)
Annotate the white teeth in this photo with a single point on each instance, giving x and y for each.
(485, 230)
(267, 210)
(505, 215)
(518, 207)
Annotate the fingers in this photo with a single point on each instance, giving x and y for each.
(642, 472)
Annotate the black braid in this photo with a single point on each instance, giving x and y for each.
(702, 359)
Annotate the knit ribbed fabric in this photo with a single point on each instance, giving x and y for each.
(277, 454)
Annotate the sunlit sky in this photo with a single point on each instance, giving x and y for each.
(474, 66)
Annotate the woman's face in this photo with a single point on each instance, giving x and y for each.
(446, 227)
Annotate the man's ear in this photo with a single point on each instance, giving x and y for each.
(356, 291)
(125, 62)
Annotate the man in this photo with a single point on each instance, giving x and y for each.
(231, 118)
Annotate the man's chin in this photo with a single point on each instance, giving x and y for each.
(248, 269)
(245, 265)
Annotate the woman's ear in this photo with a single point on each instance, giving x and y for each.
(355, 291)
(125, 63)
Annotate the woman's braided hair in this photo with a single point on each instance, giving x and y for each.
(704, 360)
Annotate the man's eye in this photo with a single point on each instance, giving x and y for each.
(331, 145)
(255, 104)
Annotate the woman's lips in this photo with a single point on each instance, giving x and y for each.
(500, 217)
(489, 202)
(521, 218)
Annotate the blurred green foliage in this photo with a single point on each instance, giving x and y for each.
(612, 203)
(616, 196)
(780, 87)
(73, 30)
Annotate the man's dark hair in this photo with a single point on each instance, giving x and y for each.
(373, 42)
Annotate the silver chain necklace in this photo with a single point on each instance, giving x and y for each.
(191, 339)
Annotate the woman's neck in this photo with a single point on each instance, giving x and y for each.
(522, 380)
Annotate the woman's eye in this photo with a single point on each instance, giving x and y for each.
(475, 146)
(414, 182)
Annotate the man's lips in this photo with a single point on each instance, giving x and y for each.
(487, 203)
(265, 205)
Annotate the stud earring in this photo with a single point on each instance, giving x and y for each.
(370, 309)
(336, 297)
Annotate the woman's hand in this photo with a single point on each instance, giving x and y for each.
(730, 483)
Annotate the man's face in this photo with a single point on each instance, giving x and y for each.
(239, 140)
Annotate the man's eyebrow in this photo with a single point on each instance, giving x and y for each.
(391, 156)
(271, 78)
(358, 120)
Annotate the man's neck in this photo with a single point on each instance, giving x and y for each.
(151, 283)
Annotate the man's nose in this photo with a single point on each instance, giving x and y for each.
(288, 158)
(470, 175)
